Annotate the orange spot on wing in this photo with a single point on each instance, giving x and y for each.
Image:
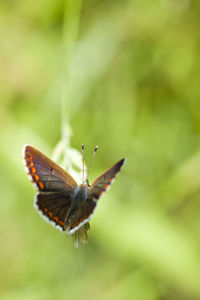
(79, 221)
(55, 218)
(36, 177)
(29, 163)
(100, 193)
(75, 224)
(61, 223)
(33, 170)
(28, 156)
(105, 186)
(41, 185)
(50, 214)
(45, 209)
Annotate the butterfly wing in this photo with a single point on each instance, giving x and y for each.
(57, 209)
(54, 207)
(101, 184)
(80, 214)
(46, 175)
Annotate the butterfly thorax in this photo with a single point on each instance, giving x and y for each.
(80, 193)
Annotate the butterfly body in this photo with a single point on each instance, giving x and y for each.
(60, 200)
(80, 193)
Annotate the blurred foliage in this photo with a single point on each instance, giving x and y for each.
(123, 75)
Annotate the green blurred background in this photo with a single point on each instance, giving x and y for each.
(124, 75)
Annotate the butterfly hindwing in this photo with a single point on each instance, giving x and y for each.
(46, 175)
(80, 214)
(54, 207)
(58, 209)
(101, 184)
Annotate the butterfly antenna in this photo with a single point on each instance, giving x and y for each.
(83, 162)
(95, 150)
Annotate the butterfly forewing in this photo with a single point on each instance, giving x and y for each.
(45, 174)
(101, 184)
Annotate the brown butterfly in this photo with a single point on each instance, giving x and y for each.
(63, 202)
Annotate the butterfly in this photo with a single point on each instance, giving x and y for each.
(60, 200)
